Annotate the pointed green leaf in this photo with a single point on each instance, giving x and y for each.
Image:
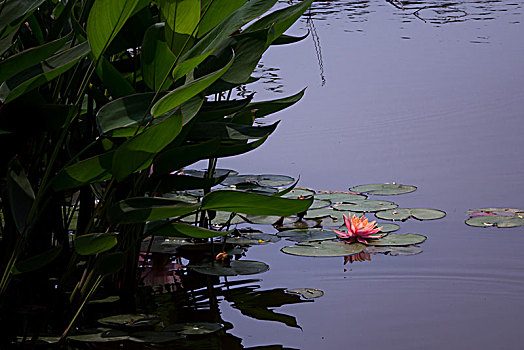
(41, 73)
(14, 12)
(105, 20)
(251, 203)
(214, 12)
(94, 243)
(36, 262)
(142, 209)
(156, 58)
(87, 171)
(113, 80)
(20, 194)
(187, 91)
(230, 131)
(264, 108)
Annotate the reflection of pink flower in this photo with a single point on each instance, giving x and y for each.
(359, 229)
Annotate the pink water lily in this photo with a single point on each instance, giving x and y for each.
(359, 230)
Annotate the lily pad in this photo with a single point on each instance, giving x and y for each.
(387, 227)
(394, 251)
(100, 335)
(324, 248)
(236, 268)
(496, 211)
(306, 293)
(323, 212)
(367, 205)
(320, 203)
(110, 299)
(261, 219)
(394, 239)
(253, 239)
(275, 180)
(194, 328)
(496, 221)
(292, 223)
(155, 337)
(417, 213)
(385, 189)
(130, 320)
(299, 192)
(307, 235)
(339, 196)
(202, 173)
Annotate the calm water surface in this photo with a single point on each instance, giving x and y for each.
(433, 96)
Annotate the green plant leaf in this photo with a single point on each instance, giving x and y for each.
(130, 321)
(142, 209)
(113, 80)
(307, 235)
(229, 150)
(288, 39)
(110, 263)
(36, 262)
(178, 182)
(156, 58)
(94, 243)
(264, 108)
(41, 73)
(394, 239)
(255, 238)
(229, 131)
(105, 20)
(394, 251)
(404, 214)
(30, 57)
(20, 194)
(236, 268)
(339, 196)
(182, 68)
(87, 171)
(193, 328)
(306, 293)
(14, 13)
(137, 153)
(385, 189)
(324, 248)
(251, 203)
(187, 91)
(214, 12)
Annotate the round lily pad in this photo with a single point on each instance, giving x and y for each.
(339, 196)
(306, 293)
(394, 239)
(155, 337)
(299, 192)
(497, 221)
(194, 328)
(385, 189)
(307, 235)
(404, 214)
(496, 211)
(367, 205)
(201, 173)
(320, 203)
(275, 180)
(322, 213)
(394, 251)
(236, 268)
(100, 335)
(292, 223)
(324, 248)
(253, 239)
(261, 219)
(130, 320)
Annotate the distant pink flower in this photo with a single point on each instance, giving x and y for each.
(359, 230)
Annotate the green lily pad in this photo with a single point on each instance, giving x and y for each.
(155, 337)
(110, 299)
(236, 268)
(307, 235)
(367, 205)
(193, 328)
(202, 173)
(339, 196)
(130, 320)
(275, 180)
(394, 251)
(319, 203)
(100, 335)
(261, 219)
(417, 213)
(496, 211)
(292, 223)
(299, 192)
(496, 221)
(322, 213)
(394, 239)
(253, 239)
(306, 293)
(385, 189)
(324, 248)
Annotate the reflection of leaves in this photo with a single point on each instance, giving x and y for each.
(257, 304)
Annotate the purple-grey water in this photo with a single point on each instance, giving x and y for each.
(432, 96)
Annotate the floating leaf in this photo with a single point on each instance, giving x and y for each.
(110, 299)
(262, 219)
(306, 293)
(394, 239)
(497, 221)
(237, 267)
(307, 235)
(299, 192)
(385, 189)
(324, 248)
(253, 239)
(320, 203)
(496, 211)
(386, 227)
(417, 213)
(154, 337)
(394, 251)
(293, 222)
(100, 335)
(324, 212)
(194, 328)
(130, 320)
(339, 196)
(367, 205)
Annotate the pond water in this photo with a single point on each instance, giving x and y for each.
(430, 95)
